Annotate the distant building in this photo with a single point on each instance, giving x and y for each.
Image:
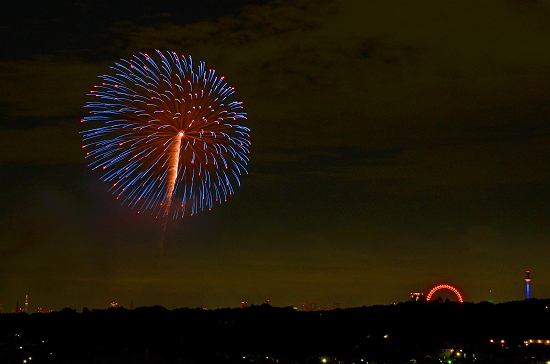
(527, 284)
(416, 296)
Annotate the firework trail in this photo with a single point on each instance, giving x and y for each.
(166, 135)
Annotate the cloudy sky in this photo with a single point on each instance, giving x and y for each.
(395, 145)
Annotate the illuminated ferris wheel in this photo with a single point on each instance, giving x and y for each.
(445, 286)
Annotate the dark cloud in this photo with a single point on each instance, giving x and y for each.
(88, 30)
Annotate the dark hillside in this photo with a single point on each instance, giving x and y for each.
(419, 330)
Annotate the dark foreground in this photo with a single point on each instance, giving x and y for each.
(410, 332)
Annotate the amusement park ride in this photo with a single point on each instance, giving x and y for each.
(419, 296)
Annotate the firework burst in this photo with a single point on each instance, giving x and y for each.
(166, 135)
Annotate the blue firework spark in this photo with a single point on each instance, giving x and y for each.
(166, 135)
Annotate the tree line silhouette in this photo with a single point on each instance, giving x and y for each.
(155, 334)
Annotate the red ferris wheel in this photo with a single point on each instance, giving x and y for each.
(444, 286)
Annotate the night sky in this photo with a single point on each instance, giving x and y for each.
(395, 145)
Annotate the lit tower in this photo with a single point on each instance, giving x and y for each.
(26, 303)
(527, 284)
